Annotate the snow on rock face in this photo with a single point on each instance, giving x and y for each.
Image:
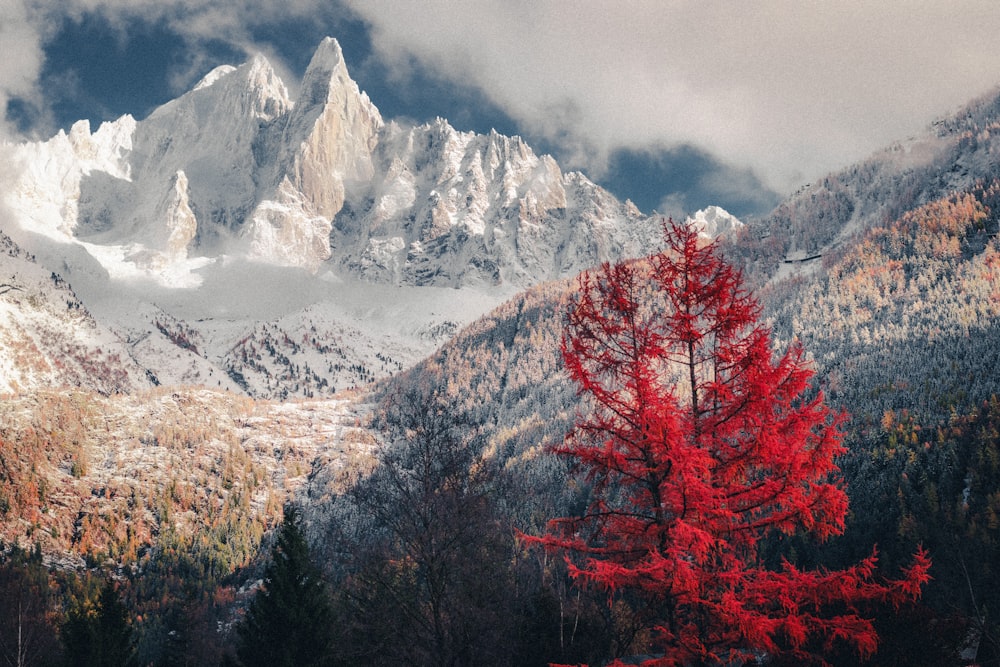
(331, 132)
(46, 189)
(178, 230)
(181, 223)
(209, 134)
(213, 76)
(714, 221)
(190, 176)
(235, 167)
(324, 142)
(449, 208)
(283, 232)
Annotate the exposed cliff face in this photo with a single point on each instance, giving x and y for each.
(182, 226)
(330, 134)
(286, 231)
(308, 156)
(451, 208)
(45, 192)
(208, 134)
(236, 167)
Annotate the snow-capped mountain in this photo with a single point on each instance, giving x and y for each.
(236, 167)
(714, 221)
(202, 234)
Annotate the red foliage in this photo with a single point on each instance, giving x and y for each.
(699, 442)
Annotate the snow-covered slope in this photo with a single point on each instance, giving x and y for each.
(47, 337)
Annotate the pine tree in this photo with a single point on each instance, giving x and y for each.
(99, 636)
(699, 443)
(288, 622)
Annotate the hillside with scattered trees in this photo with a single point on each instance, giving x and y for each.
(159, 526)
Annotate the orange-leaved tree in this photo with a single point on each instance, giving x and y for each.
(700, 441)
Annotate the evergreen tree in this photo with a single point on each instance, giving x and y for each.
(288, 622)
(99, 636)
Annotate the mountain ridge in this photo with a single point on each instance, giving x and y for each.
(235, 166)
(235, 181)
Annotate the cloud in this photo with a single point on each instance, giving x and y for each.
(23, 56)
(684, 178)
(780, 90)
(791, 89)
(27, 28)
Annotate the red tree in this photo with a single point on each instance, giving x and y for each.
(699, 443)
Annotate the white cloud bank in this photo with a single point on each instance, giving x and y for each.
(790, 89)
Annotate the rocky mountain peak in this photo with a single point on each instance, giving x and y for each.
(714, 221)
(327, 84)
(213, 76)
(236, 167)
(264, 85)
(326, 63)
(330, 133)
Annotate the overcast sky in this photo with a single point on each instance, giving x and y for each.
(676, 104)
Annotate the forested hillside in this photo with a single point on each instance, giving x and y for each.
(956, 153)
(905, 317)
(901, 323)
(504, 373)
(170, 492)
(410, 500)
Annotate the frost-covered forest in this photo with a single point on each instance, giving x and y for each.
(254, 511)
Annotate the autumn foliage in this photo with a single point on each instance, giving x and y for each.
(700, 442)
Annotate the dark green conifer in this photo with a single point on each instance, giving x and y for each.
(102, 636)
(288, 622)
